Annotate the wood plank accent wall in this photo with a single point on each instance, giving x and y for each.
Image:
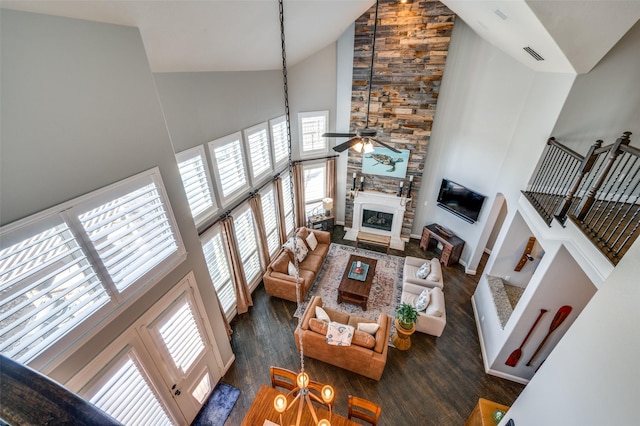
(412, 42)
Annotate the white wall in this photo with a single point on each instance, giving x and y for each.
(592, 376)
(80, 111)
(493, 118)
(200, 107)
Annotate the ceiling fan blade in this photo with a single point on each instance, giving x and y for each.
(387, 146)
(338, 135)
(346, 145)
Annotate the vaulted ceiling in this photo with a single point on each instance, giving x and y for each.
(235, 35)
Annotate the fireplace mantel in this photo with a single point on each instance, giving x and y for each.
(381, 202)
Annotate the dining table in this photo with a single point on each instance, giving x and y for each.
(262, 410)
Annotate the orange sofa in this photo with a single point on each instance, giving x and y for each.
(277, 281)
(368, 360)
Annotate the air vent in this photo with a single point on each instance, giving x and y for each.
(533, 53)
(500, 14)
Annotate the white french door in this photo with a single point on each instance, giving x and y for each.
(177, 339)
(162, 369)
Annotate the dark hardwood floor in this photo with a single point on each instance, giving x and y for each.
(436, 382)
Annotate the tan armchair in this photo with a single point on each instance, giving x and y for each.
(411, 266)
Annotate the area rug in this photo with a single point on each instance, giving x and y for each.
(385, 290)
(217, 408)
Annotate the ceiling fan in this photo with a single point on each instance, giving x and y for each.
(363, 138)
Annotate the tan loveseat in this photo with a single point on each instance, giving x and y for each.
(367, 361)
(278, 282)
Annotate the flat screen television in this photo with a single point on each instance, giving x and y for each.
(460, 200)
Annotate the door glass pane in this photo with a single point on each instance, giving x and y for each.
(181, 336)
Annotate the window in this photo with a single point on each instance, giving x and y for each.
(311, 126)
(197, 182)
(59, 268)
(257, 140)
(314, 188)
(270, 216)
(247, 245)
(287, 206)
(218, 265)
(231, 175)
(48, 287)
(131, 232)
(279, 140)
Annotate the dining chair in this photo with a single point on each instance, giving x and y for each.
(364, 409)
(281, 377)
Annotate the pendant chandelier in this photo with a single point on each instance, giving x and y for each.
(301, 393)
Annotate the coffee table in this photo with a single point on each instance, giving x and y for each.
(353, 290)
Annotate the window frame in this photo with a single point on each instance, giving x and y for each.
(247, 133)
(205, 239)
(226, 200)
(263, 195)
(308, 166)
(50, 357)
(252, 282)
(273, 123)
(189, 154)
(313, 114)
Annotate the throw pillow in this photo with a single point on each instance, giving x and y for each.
(291, 269)
(423, 300)
(366, 340)
(312, 241)
(322, 315)
(423, 271)
(339, 334)
(436, 307)
(368, 327)
(301, 247)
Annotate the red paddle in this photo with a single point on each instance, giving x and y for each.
(513, 359)
(561, 315)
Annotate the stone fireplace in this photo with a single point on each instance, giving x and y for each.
(378, 213)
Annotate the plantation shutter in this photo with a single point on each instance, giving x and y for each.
(131, 234)
(230, 164)
(48, 287)
(312, 127)
(196, 182)
(219, 270)
(288, 204)
(128, 396)
(258, 144)
(181, 336)
(270, 216)
(279, 140)
(247, 245)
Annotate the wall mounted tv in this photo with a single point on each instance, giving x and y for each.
(460, 200)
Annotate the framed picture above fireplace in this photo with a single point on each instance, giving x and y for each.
(384, 162)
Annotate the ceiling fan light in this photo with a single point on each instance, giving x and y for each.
(368, 147)
(358, 146)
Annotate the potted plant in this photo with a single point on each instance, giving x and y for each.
(406, 315)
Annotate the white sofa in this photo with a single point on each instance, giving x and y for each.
(433, 319)
(411, 266)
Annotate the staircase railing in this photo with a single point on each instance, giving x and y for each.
(599, 192)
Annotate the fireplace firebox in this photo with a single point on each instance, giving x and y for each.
(377, 220)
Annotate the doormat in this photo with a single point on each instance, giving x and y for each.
(386, 289)
(218, 407)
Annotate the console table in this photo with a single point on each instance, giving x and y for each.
(322, 222)
(451, 245)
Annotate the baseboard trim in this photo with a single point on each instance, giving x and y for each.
(483, 351)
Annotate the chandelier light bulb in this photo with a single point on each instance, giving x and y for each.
(280, 403)
(302, 380)
(324, 422)
(328, 394)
